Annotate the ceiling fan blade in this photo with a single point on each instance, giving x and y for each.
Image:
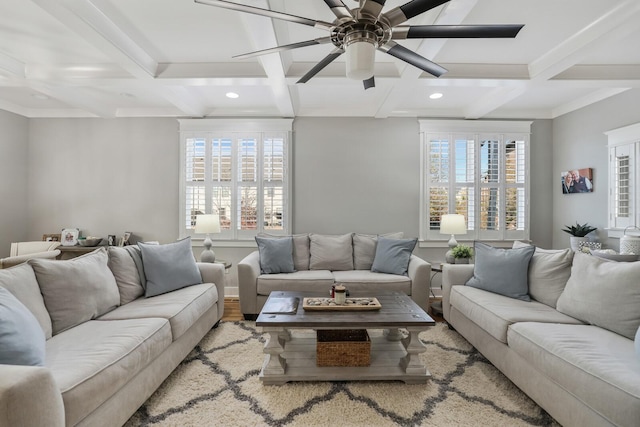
(409, 56)
(320, 65)
(408, 10)
(339, 9)
(455, 31)
(267, 13)
(369, 83)
(372, 8)
(321, 40)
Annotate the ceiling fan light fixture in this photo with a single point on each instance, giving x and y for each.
(361, 55)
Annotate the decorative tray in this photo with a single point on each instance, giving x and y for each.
(351, 304)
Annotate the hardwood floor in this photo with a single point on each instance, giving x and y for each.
(232, 310)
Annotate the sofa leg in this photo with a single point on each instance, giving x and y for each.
(216, 325)
(248, 316)
(450, 327)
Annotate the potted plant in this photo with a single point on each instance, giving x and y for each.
(578, 234)
(462, 254)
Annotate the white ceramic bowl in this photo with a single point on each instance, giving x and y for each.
(90, 241)
(616, 257)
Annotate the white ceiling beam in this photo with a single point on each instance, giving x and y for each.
(589, 99)
(618, 23)
(93, 20)
(497, 98)
(11, 67)
(76, 97)
(263, 36)
(453, 14)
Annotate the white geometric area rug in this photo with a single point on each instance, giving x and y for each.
(218, 385)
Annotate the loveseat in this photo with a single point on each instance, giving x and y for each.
(571, 347)
(319, 261)
(114, 331)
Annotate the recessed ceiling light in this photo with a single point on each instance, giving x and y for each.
(232, 95)
(436, 95)
(39, 96)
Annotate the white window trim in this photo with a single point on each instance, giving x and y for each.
(518, 129)
(627, 135)
(264, 126)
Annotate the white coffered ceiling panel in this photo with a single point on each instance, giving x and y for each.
(134, 58)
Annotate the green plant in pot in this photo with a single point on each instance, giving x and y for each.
(578, 234)
(462, 254)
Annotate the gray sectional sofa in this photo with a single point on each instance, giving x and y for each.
(107, 347)
(320, 260)
(571, 348)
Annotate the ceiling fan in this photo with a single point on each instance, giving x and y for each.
(360, 31)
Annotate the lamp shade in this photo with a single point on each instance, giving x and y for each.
(360, 59)
(453, 224)
(206, 224)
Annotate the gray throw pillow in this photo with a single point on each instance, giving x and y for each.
(21, 282)
(637, 341)
(502, 271)
(169, 267)
(329, 252)
(393, 255)
(22, 339)
(549, 271)
(276, 255)
(364, 249)
(76, 290)
(603, 293)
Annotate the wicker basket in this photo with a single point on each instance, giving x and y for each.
(343, 347)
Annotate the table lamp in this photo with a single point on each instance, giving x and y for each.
(452, 224)
(206, 224)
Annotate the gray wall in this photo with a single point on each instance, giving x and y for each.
(104, 176)
(14, 221)
(579, 142)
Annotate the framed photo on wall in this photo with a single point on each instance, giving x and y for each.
(577, 181)
(70, 236)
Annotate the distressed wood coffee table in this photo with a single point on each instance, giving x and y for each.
(290, 350)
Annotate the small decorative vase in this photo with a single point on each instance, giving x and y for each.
(575, 242)
(462, 260)
(340, 294)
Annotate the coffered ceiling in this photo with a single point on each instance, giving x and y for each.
(173, 58)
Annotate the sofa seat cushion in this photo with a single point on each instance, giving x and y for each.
(300, 281)
(92, 361)
(361, 282)
(597, 366)
(495, 313)
(182, 308)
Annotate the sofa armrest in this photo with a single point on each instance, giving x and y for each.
(29, 396)
(419, 272)
(453, 274)
(19, 259)
(214, 273)
(248, 272)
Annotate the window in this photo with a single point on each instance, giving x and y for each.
(477, 169)
(624, 192)
(238, 169)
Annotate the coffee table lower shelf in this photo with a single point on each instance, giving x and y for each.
(291, 356)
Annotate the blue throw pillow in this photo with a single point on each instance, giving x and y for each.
(276, 255)
(392, 255)
(22, 340)
(637, 341)
(169, 267)
(502, 271)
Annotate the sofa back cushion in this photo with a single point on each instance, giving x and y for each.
(76, 290)
(126, 273)
(21, 282)
(22, 340)
(502, 271)
(364, 248)
(300, 249)
(330, 252)
(603, 293)
(549, 271)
